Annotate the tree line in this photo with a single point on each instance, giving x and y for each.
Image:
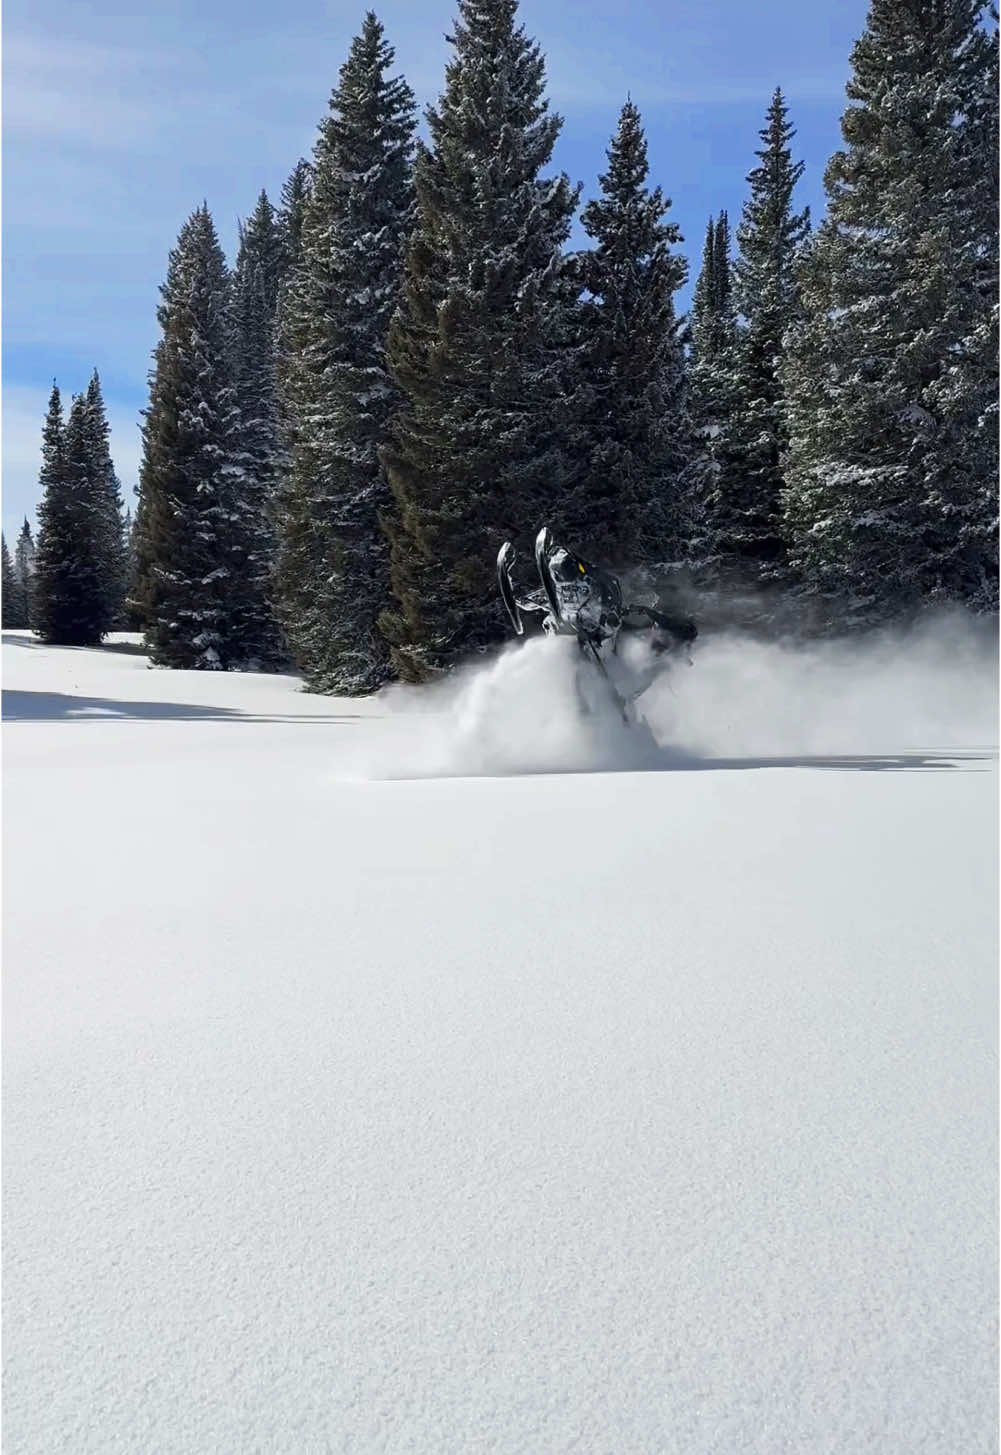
(19, 579)
(408, 365)
(71, 587)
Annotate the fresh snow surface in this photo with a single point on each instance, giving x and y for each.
(441, 1072)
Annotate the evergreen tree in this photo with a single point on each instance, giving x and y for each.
(72, 603)
(52, 482)
(132, 618)
(892, 375)
(24, 573)
(713, 320)
(745, 506)
(629, 504)
(288, 350)
(136, 595)
(723, 281)
(185, 512)
(296, 191)
(334, 562)
(110, 544)
(703, 298)
(712, 385)
(479, 343)
(12, 616)
(253, 632)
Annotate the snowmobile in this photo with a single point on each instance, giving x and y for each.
(585, 601)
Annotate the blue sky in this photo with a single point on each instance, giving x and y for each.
(118, 123)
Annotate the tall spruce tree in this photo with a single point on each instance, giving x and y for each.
(703, 298)
(254, 636)
(73, 604)
(628, 506)
(713, 319)
(892, 375)
(296, 191)
(745, 509)
(24, 573)
(186, 482)
(132, 618)
(712, 387)
(478, 346)
(288, 347)
(333, 574)
(54, 502)
(111, 543)
(12, 615)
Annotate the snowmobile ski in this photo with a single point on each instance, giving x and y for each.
(543, 550)
(505, 560)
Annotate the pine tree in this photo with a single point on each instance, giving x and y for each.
(704, 299)
(628, 507)
(72, 604)
(713, 321)
(136, 595)
(334, 561)
(745, 505)
(110, 544)
(892, 375)
(132, 618)
(723, 282)
(12, 615)
(185, 511)
(52, 483)
(296, 192)
(24, 573)
(478, 343)
(712, 387)
(254, 636)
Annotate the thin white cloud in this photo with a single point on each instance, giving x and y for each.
(115, 99)
(99, 95)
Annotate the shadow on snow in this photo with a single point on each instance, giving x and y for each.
(677, 761)
(24, 638)
(64, 707)
(858, 762)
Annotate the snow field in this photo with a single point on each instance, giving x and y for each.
(607, 1111)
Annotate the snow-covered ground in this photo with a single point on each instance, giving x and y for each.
(394, 1076)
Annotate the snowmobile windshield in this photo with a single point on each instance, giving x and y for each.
(565, 567)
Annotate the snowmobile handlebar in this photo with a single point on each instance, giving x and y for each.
(590, 606)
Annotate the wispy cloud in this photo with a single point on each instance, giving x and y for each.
(80, 92)
(113, 98)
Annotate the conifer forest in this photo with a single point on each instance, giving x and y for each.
(407, 363)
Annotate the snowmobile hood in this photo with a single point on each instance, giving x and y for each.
(566, 566)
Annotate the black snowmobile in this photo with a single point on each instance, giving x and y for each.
(577, 599)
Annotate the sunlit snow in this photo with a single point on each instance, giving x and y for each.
(447, 1072)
